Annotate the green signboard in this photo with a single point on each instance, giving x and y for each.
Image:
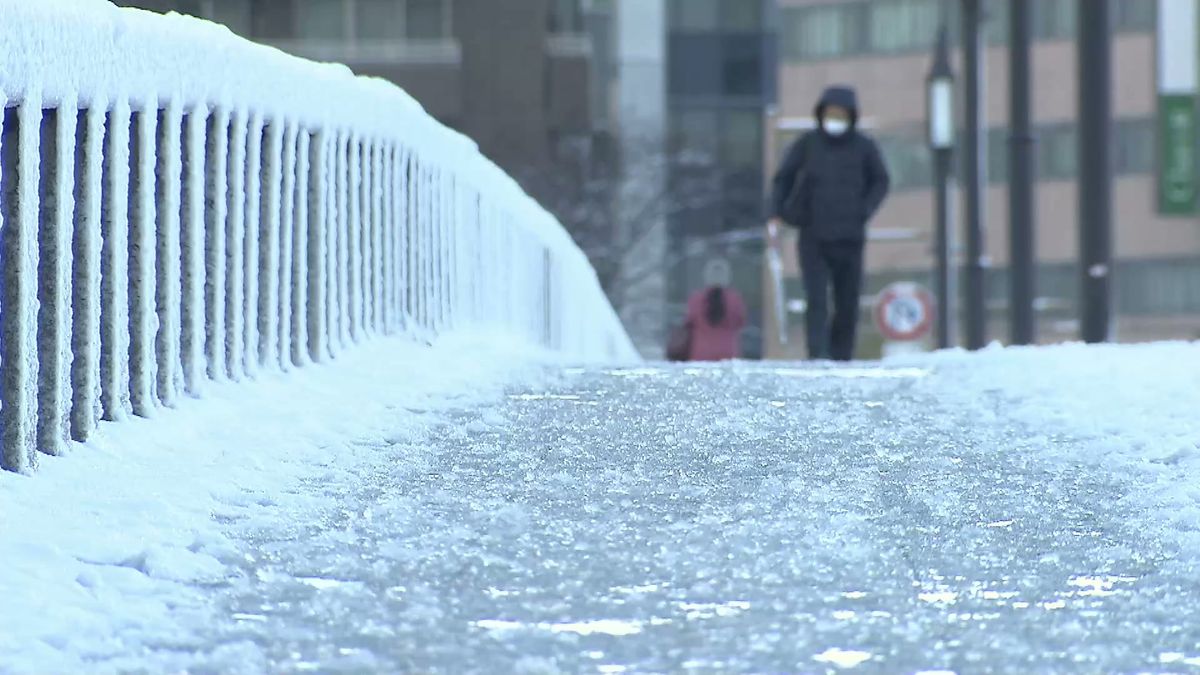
(1177, 166)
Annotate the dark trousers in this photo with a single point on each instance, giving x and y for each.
(839, 263)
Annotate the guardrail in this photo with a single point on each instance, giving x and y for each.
(178, 205)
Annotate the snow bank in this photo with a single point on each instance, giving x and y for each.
(1134, 409)
(208, 137)
(109, 549)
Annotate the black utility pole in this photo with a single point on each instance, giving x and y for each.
(944, 284)
(1022, 265)
(974, 172)
(940, 113)
(1095, 169)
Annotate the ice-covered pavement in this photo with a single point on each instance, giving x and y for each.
(1020, 511)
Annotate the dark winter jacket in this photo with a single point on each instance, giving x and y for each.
(835, 183)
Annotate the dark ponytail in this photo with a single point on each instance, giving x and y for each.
(715, 305)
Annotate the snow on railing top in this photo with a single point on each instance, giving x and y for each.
(90, 52)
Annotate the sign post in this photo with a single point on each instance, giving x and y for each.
(1178, 86)
(904, 314)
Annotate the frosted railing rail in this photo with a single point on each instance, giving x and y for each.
(178, 205)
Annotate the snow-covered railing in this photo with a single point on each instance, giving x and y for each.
(178, 206)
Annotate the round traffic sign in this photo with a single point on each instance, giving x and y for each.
(904, 312)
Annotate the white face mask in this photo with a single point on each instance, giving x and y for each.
(836, 127)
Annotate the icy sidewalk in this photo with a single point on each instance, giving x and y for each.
(1015, 511)
(124, 542)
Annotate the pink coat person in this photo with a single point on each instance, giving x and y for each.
(717, 342)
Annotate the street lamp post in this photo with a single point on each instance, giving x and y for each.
(1022, 258)
(1095, 169)
(940, 114)
(974, 173)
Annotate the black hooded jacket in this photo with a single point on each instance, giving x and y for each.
(840, 181)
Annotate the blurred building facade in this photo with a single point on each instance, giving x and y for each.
(883, 47)
(515, 76)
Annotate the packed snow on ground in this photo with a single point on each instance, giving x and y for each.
(116, 541)
(1136, 409)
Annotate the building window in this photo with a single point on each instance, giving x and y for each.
(427, 19)
(566, 17)
(695, 15)
(322, 20)
(233, 13)
(378, 20)
(695, 66)
(1054, 19)
(742, 140)
(997, 155)
(742, 15)
(997, 20)
(741, 66)
(903, 25)
(908, 160)
(823, 32)
(1059, 19)
(161, 6)
(319, 20)
(1136, 15)
(856, 27)
(1135, 149)
(190, 7)
(344, 20)
(908, 157)
(1058, 150)
(273, 20)
(712, 16)
(694, 135)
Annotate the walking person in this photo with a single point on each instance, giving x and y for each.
(829, 186)
(716, 315)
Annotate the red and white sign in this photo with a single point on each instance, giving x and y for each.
(904, 312)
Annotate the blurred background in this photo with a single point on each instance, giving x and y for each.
(651, 129)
